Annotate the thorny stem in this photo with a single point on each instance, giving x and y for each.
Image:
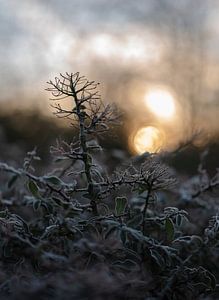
(85, 155)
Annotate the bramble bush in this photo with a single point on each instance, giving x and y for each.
(80, 232)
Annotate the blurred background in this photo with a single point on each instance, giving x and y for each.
(158, 60)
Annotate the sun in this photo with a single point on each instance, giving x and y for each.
(148, 139)
(160, 102)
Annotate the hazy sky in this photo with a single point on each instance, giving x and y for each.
(129, 46)
(40, 38)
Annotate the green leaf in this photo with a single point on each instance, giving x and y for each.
(89, 159)
(123, 236)
(212, 280)
(48, 206)
(36, 205)
(135, 221)
(33, 188)
(58, 159)
(120, 205)
(179, 220)
(54, 257)
(87, 196)
(53, 179)
(157, 258)
(12, 180)
(169, 227)
(83, 114)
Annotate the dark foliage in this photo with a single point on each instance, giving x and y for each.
(80, 232)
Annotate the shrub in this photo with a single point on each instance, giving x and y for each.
(78, 232)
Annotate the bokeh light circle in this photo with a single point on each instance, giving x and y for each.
(148, 139)
(160, 102)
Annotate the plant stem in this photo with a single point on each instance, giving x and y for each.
(85, 155)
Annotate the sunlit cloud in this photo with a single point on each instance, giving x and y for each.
(60, 47)
(102, 45)
(129, 48)
(108, 47)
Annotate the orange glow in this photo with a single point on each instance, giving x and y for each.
(148, 139)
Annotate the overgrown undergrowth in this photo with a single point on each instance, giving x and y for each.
(79, 231)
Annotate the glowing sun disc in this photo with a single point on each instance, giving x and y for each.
(160, 102)
(148, 139)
